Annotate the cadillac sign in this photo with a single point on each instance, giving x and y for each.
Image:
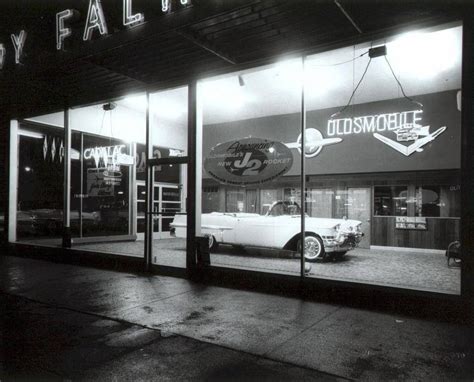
(248, 161)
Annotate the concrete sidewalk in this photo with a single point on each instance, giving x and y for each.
(333, 340)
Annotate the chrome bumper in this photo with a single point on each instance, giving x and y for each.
(345, 242)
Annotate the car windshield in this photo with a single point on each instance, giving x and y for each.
(284, 208)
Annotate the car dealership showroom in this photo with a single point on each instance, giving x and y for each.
(369, 127)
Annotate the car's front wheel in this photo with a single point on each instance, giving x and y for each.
(313, 248)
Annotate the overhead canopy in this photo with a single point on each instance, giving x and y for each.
(188, 41)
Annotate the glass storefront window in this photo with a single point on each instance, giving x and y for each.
(251, 125)
(380, 136)
(169, 136)
(100, 185)
(390, 200)
(381, 157)
(438, 201)
(104, 192)
(40, 184)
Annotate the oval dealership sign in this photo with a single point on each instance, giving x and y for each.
(248, 161)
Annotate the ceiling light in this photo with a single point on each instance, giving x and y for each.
(424, 54)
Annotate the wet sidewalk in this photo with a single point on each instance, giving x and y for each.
(65, 321)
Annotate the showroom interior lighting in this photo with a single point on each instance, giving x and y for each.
(289, 73)
(424, 54)
(165, 107)
(226, 93)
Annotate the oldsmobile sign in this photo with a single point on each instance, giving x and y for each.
(248, 161)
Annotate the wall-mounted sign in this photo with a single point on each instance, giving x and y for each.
(411, 222)
(381, 136)
(405, 125)
(420, 134)
(248, 161)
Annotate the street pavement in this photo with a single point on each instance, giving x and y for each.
(68, 322)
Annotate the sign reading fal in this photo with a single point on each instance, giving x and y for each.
(95, 22)
(405, 127)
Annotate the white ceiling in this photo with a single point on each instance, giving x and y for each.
(423, 62)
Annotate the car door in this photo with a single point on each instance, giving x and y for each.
(255, 230)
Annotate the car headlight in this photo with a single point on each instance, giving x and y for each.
(337, 227)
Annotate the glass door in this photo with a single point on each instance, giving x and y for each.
(166, 242)
(141, 209)
(166, 203)
(168, 217)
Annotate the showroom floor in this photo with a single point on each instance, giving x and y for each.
(414, 270)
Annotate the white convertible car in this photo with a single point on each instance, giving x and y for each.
(279, 228)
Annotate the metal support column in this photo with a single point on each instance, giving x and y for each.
(67, 181)
(13, 181)
(467, 167)
(303, 170)
(193, 202)
(149, 191)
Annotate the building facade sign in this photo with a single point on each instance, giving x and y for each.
(95, 23)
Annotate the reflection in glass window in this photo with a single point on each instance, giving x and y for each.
(438, 201)
(40, 183)
(390, 200)
(427, 201)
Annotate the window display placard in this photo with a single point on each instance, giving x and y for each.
(248, 161)
(411, 222)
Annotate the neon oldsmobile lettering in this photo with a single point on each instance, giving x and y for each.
(373, 123)
(95, 21)
(104, 153)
